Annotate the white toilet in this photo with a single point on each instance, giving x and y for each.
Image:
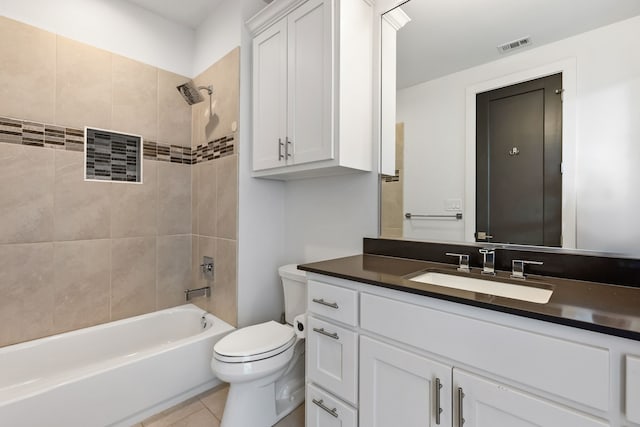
(264, 363)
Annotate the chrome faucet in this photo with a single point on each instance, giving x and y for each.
(517, 271)
(463, 261)
(488, 261)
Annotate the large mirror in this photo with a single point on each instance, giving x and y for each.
(442, 60)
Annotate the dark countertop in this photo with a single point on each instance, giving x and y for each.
(605, 308)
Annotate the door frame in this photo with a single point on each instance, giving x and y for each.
(568, 69)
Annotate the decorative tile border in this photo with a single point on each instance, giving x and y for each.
(34, 134)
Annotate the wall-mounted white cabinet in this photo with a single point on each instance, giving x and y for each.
(312, 80)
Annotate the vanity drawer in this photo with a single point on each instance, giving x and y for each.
(333, 302)
(632, 394)
(332, 358)
(553, 365)
(325, 410)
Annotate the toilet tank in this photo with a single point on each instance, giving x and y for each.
(294, 284)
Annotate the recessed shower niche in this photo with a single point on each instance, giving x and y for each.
(112, 156)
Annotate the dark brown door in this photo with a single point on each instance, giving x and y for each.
(518, 163)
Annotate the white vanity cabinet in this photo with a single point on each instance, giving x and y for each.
(331, 355)
(312, 74)
(421, 361)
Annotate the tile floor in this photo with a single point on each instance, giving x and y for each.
(206, 410)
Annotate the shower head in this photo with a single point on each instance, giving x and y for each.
(191, 93)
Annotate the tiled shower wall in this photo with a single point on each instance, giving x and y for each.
(76, 253)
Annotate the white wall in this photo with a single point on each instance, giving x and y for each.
(328, 217)
(114, 25)
(261, 243)
(608, 131)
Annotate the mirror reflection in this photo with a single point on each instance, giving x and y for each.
(512, 122)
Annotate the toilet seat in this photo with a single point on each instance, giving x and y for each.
(254, 343)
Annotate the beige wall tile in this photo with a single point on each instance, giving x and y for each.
(82, 208)
(133, 276)
(174, 199)
(174, 114)
(203, 246)
(194, 199)
(135, 98)
(173, 270)
(81, 282)
(224, 296)
(134, 206)
(26, 194)
(27, 296)
(83, 85)
(227, 195)
(224, 76)
(27, 70)
(206, 198)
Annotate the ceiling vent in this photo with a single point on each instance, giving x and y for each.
(516, 44)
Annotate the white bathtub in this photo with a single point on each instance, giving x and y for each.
(115, 374)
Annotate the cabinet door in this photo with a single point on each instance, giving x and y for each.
(310, 95)
(332, 358)
(400, 388)
(483, 403)
(632, 393)
(324, 410)
(270, 97)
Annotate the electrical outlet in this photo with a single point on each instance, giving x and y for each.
(454, 205)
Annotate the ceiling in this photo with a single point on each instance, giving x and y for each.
(189, 13)
(445, 36)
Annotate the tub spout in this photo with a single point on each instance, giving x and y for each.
(206, 291)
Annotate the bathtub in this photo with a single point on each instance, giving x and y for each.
(115, 374)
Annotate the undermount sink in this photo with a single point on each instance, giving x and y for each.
(491, 287)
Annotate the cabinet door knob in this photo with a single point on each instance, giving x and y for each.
(280, 144)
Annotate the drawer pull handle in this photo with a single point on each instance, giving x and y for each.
(333, 335)
(460, 407)
(323, 302)
(439, 410)
(321, 404)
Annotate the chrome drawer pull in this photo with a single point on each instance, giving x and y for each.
(333, 335)
(323, 302)
(438, 408)
(460, 407)
(321, 404)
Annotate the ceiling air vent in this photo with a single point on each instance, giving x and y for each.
(516, 44)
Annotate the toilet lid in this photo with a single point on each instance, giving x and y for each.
(255, 340)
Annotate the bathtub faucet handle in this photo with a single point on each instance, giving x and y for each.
(207, 267)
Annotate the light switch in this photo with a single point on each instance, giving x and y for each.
(453, 205)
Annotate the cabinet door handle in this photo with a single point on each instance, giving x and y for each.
(438, 408)
(323, 302)
(333, 335)
(280, 144)
(321, 404)
(286, 148)
(460, 407)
